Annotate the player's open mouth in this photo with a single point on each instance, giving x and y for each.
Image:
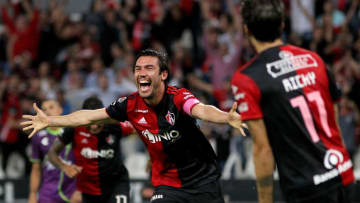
(144, 86)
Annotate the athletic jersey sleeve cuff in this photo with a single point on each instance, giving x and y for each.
(35, 160)
(189, 104)
(251, 117)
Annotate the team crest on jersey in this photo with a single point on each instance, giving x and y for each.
(110, 139)
(170, 117)
(45, 141)
(289, 63)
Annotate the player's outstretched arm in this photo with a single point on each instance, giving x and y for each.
(78, 118)
(263, 161)
(215, 115)
(53, 154)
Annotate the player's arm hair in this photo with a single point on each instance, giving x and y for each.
(35, 179)
(81, 118)
(209, 113)
(263, 161)
(54, 153)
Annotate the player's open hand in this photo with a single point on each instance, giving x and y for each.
(235, 120)
(37, 122)
(71, 170)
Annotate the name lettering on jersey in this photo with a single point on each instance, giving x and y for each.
(299, 81)
(93, 154)
(169, 136)
(334, 161)
(289, 63)
(85, 134)
(143, 121)
(141, 111)
(170, 117)
(155, 197)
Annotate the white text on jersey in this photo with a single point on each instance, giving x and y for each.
(172, 135)
(93, 154)
(299, 81)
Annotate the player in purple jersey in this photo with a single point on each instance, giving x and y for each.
(50, 183)
(184, 167)
(288, 99)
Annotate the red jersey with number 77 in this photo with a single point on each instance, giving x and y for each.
(293, 92)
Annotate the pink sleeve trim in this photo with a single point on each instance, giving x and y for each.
(189, 104)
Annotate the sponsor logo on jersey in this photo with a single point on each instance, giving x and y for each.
(93, 154)
(334, 162)
(169, 136)
(289, 63)
(84, 141)
(142, 121)
(155, 197)
(141, 111)
(170, 117)
(299, 81)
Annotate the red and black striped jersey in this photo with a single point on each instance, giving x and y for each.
(181, 155)
(293, 92)
(100, 157)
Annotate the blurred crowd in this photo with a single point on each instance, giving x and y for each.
(49, 52)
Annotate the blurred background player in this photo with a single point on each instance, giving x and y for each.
(47, 183)
(99, 170)
(287, 96)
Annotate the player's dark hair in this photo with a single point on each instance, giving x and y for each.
(264, 18)
(92, 103)
(162, 58)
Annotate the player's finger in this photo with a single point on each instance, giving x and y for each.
(26, 123)
(36, 108)
(244, 126)
(28, 127)
(32, 133)
(233, 108)
(242, 132)
(28, 117)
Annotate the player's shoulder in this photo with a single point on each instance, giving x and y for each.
(300, 50)
(175, 90)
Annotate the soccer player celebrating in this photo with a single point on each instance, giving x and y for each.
(51, 183)
(100, 173)
(184, 167)
(286, 96)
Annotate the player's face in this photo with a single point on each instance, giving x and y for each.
(51, 108)
(148, 77)
(96, 128)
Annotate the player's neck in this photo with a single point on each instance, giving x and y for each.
(262, 46)
(157, 97)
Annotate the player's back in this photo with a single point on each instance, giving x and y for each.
(291, 90)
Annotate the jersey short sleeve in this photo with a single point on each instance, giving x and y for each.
(35, 149)
(185, 100)
(68, 136)
(247, 95)
(335, 91)
(117, 110)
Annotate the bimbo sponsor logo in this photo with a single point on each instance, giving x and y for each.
(93, 154)
(289, 63)
(334, 161)
(169, 136)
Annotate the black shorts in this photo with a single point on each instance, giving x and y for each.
(335, 195)
(209, 193)
(119, 194)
